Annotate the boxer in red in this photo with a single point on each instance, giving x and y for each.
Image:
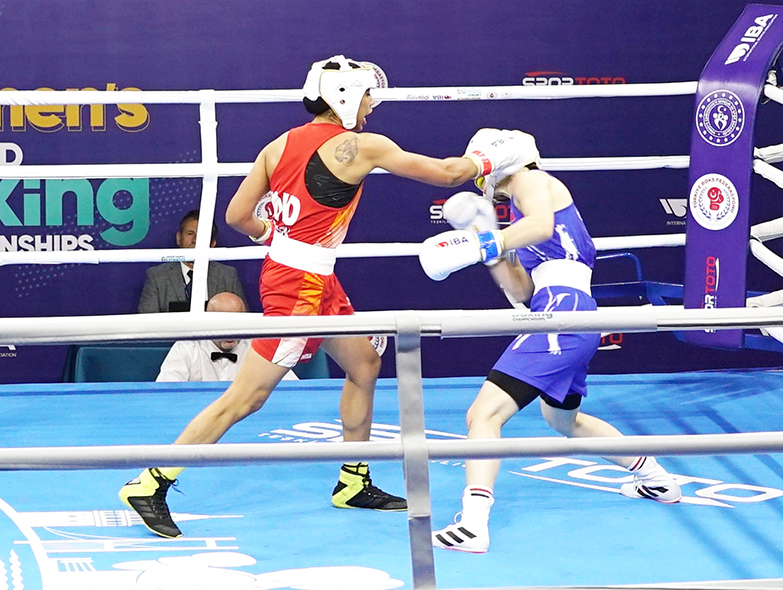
(306, 185)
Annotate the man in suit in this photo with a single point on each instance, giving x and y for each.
(168, 285)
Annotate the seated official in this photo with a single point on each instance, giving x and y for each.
(208, 360)
(168, 286)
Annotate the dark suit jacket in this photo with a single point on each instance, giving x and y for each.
(164, 283)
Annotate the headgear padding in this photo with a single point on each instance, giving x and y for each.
(341, 83)
(528, 154)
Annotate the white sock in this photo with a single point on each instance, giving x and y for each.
(645, 467)
(476, 503)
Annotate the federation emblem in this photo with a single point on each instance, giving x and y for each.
(720, 118)
(713, 202)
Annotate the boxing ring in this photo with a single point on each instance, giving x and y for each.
(74, 537)
(424, 452)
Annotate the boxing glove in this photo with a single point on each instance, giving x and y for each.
(264, 212)
(454, 250)
(501, 152)
(467, 210)
(265, 238)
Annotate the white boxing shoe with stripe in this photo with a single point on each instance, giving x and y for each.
(461, 536)
(651, 481)
(470, 531)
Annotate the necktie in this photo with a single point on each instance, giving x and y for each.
(189, 285)
(224, 355)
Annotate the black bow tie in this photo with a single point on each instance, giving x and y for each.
(224, 355)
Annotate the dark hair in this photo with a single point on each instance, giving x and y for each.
(315, 107)
(319, 106)
(193, 215)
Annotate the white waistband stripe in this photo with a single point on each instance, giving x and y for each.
(562, 273)
(306, 257)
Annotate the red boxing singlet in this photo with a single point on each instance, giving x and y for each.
(300, 216)
(285, 289)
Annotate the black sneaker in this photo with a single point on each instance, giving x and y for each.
(147, 496)
(355, 490)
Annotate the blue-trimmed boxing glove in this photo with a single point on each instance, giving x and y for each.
(491, 244)
(454, 250)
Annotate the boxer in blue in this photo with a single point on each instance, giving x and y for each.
(544, 257)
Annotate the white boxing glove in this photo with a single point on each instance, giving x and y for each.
(264, 212)
(467, 210)
(448, 252)
(454, 250)
(501, 152)
(265, 237)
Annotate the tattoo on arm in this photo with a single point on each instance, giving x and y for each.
(346, 152)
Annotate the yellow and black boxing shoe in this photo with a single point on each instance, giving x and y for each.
(146, 495)
(355, 490)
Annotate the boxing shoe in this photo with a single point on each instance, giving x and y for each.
(471, 532)
(470, 537)
(146, 495)
(651, 481)
(355, 490)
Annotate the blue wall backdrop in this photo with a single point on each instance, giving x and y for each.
(268, 44)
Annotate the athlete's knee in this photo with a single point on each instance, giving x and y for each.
(560, 420)
(238, 403)
(564, 427)
(480, 416)
(365, 370)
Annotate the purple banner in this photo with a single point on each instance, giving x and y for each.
(195, 44)
(721, 165)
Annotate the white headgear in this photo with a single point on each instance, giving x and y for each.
(527, 154)
(343, 88)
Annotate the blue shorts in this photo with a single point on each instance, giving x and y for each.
(554, 363)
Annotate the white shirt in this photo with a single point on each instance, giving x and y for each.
(191, 360)
(185, 270)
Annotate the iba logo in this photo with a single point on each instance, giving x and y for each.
(752, 35)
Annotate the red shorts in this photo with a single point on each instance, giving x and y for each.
(287, 291)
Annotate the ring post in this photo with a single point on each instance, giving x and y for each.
(721, 163)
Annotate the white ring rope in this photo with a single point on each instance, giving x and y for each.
(208, 202)
(141, 456)
(764, 231)
(770, 154)
(443, 323)
(767, 256)
(769, 172)
(439, 94)
(365, 250)
(773, 93)
(769, 230)
(227, 169)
